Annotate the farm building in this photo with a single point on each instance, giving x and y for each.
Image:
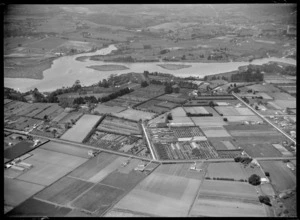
(290, 165)
(264, 180)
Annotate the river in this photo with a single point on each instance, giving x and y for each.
(66, 70)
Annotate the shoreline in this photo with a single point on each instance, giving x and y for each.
(173, 66)
(108, 67)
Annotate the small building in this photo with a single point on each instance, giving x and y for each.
(264, 180)
(290, 165)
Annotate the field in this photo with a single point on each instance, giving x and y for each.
(40, 209)
(135, 115)
(120, 126)
(18, 150)
(222, 143)
(227, 110)
(112, 141)
(226, 170)
(90, 200)
(66, 149)
(172, 98)
(250, 118)
(152, 106)
(17, 191)
(48, 166)
(81, 129)
(227, 198)
(215, 132)
(72, 115)
(104, 109)
(181, 121)
(286, 103)
(165, 192)
(64, 190)
(280, 175)
(185, 150)
(208, 121)
(255, 149)
(196, 110)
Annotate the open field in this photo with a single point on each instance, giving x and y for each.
(40, 209)
(181, 121)
(72, 115)
(48, 166)
(151, 106)
(222, 143)
(244, 111)
(286, 103)
(17, 191)
(81, 129)
(227, 110)
(64, 190)
(226, 208)
(252, 132)
(66, 149)
(255, 149)
(135, 115)
(167, 195)
(228, 189)
(90, 200)
(282, 150)
(124, 213)
(18, 150)
(282, 96)
(227, 198)
(215, 132)
(104, 109)
(196, 110)
(203, 122)
(281, 176)
(172, 98)
(124, 181)
(118, 125)
(178, 112)
(108, 67)
(242, 118)
(226, 170)
(93, 166)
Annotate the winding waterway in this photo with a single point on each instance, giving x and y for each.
(66, 70)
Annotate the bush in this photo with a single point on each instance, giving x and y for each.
(265, 199)
(267, 174)
(254, 180)
(237, 159)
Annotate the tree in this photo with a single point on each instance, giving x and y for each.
(144, 84)
(265, 199)
(54, 131)
(168, 88)
(211, 104)
(170, 117)
(267, 174)
(237, 159)
(254, 180)
(176, 89)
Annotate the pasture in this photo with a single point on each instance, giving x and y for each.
(222, 143)
(81, 129)
(152, 106)
(64, 190)
(135, 115)
(227, 198)
(178, 112)
(215, 132)
(255, 149)
(286, 103)
(244, 111)
(91, 201)
(124, 181)
(226, 170)
(93, 166)
(227, 110)
(72, 115)
(196, 110)
(118, 125)
(172, 98)
(47, 43)
(226, 208)
(40, 209)
(281, 176)
(17, 191)
(242, 118)
(181, 121)
(282, 150)
(66, 149)
(48, 166)
(104, 109)
(167, 195)
(203, 122)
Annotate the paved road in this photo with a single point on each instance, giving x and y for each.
(88, 147)
(281, 131)
(80, 145)
(149, 143)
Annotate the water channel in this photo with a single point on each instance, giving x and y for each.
(66, 70)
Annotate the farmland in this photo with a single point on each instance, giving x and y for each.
(118, 125)
(104, 109)
(226, 170)
(48, 166)
(227, 198)
(135, 115)
(164, 191)
(280, 175)
(82, 128)
(156, 106)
